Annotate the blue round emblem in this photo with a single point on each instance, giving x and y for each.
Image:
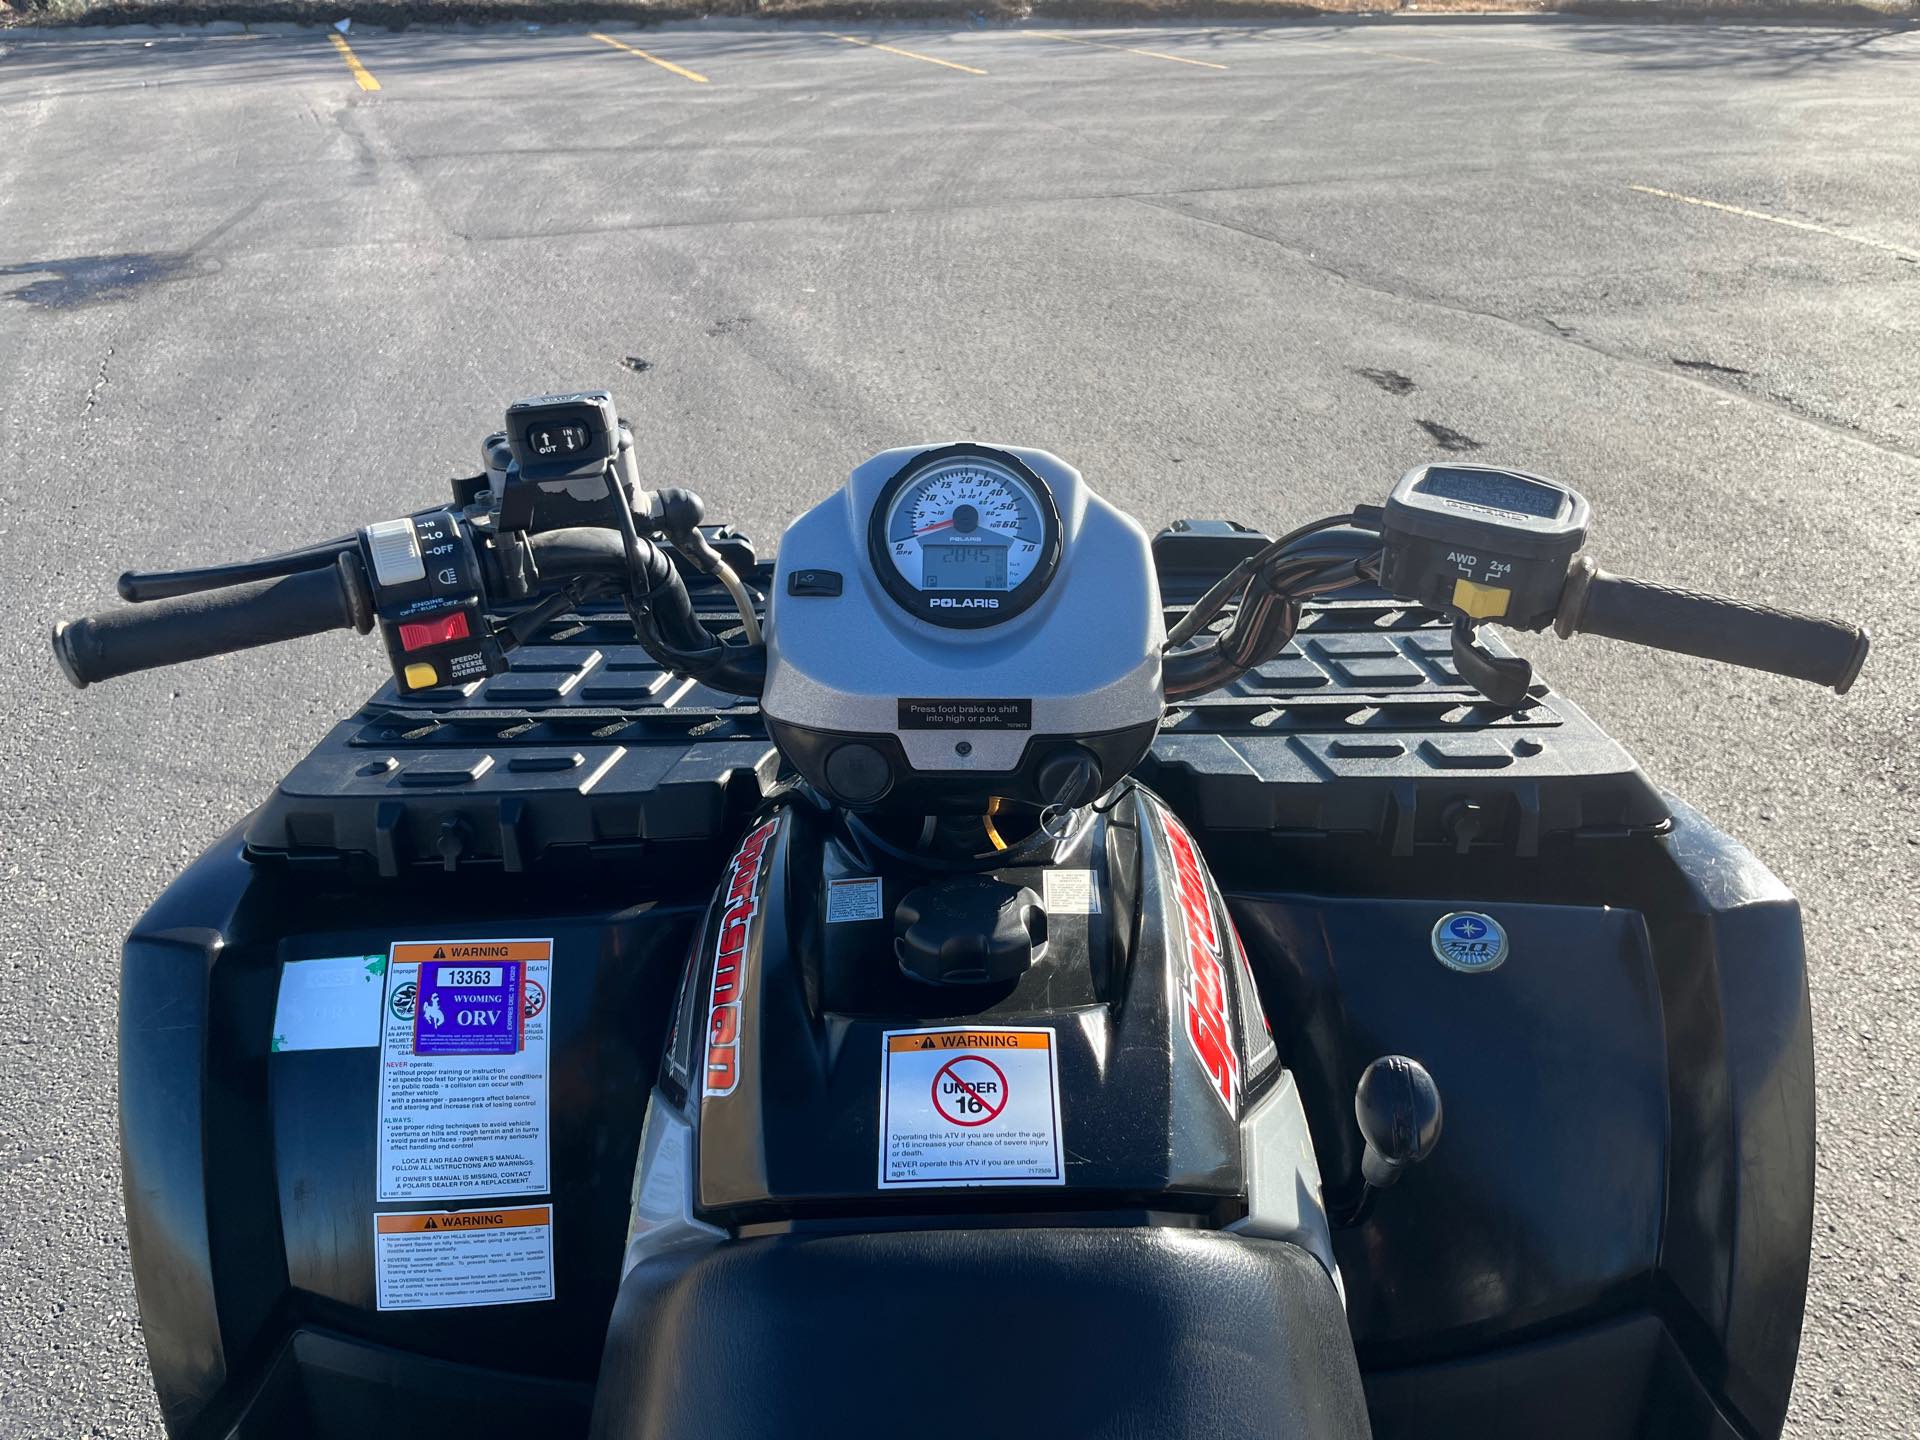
(1468, 941)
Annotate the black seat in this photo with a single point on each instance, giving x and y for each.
(1133, 1334)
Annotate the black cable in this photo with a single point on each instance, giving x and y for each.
(1243, 642)
(522, 627)
(1209, 604)
(1261, 626)
(638, 590)
(666, 625)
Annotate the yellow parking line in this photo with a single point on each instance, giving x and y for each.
(1125, 49)
(910, 54)
(681, 71)
(1741, 210)
(360, 72)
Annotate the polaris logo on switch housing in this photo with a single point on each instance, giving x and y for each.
(953, 602)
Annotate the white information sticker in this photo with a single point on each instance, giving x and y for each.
(969, 1107)
(445, 1259)
(853, 899)
(331, 1004)
(1072, 892)
(459, 1126)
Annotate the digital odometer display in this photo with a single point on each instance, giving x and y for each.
(963, 567)
(965, 535)
(968, 524)
(1491, 490)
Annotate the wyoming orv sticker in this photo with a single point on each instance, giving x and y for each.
(970, 1107)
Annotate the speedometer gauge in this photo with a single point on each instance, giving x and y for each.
(965, 536)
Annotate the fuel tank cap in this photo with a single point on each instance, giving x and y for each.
(968, 930)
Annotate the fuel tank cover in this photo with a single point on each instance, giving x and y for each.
(968, 930)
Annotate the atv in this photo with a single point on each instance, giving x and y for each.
(983, 970)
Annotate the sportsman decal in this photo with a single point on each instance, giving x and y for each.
(730, 954)
(1202, 981)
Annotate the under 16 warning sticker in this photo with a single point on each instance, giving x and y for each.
(970, 1107)
(463, 1070)
(443, 1259)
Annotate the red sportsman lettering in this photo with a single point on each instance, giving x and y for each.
(1203, 984)
(736, 928)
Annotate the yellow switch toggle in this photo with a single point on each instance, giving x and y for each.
(423, 677)
(1482, 602)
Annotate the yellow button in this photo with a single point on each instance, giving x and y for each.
(423, 677)
(1482, 602)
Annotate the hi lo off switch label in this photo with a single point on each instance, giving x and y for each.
(969, 1107)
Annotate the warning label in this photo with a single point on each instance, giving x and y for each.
(970, 1107)
(1071, 892)
(966, 714)
(440, 1260)
(463, 1123)
(857, 899)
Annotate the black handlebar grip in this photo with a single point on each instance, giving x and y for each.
(214, 622)
(1827, 652)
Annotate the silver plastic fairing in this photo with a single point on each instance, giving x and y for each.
(662, 1217)
(1086, 653)
(1283, 1176)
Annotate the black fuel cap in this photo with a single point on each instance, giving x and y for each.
(968, 930)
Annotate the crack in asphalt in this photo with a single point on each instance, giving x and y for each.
(1708, 367)
(1157, 200)
(99, 384)
(1448, 438)
(1544, 328)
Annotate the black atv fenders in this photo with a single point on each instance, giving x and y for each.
(249, 1174)
(1614, 1233)
(248, 1179)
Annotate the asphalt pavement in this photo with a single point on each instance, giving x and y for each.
(258, 290)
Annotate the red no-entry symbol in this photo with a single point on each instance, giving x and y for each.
(972, 1096)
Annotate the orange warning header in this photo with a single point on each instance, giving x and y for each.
(972, 1040)
(472, 952)
(463, 1220)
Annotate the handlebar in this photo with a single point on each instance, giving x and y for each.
(1826, 652)
(215, 622)
(193, 626)
(441, 621)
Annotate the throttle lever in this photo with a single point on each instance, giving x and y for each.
(1503, 679)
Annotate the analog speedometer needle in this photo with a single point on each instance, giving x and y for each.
(937, 525)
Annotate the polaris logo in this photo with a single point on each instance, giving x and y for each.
(953, 602)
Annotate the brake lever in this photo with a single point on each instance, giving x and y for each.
(137, 587)
(1503, 679)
